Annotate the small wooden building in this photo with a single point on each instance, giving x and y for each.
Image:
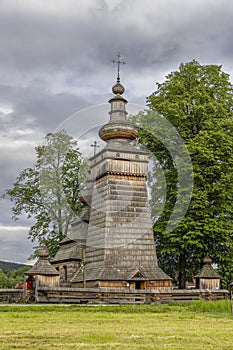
(208, 277)
(42, 274)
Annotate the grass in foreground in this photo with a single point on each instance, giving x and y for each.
(198, 325)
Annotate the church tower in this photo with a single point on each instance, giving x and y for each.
(120, 249)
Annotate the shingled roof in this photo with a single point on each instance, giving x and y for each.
(71, 247)
(42, 266)
(70, 251)
(207, 270)
(113, 273)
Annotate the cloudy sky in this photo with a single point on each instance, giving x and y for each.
(55, 61)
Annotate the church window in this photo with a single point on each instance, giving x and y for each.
(65, 272)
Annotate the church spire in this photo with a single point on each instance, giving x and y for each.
(118, 127)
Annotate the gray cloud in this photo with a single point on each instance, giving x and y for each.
(55, 59)
(14, 244)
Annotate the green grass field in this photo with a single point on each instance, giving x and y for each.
(197, 325)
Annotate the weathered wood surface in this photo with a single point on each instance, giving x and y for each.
(116, 296)
(120, 237)
(10, 295)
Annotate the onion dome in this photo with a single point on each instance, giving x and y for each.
(207, 260)
(118, 89)
(118, 126)
(117, 131)
(43, 251)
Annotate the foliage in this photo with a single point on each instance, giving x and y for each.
(3, 280)
(49, 192)
(226, 273)
(17, 276)
(12, 278)
(197, 100)
(211, 307)
(215, 307)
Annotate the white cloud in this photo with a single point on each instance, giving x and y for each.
(6, 110)
(14, 228)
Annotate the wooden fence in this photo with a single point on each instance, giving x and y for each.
(114, 296)
(119, 296)
(10, 295)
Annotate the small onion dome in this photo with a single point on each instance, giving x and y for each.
(207, 260)
(118, 89)
(43, 251)
(116, 98)
(118, 130)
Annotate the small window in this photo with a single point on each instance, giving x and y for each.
(65, 272)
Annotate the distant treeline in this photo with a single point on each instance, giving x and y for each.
(7, 266)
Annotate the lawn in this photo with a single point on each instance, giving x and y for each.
(197, 325)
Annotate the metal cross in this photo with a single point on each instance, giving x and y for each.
(119, 62)
(95, 146)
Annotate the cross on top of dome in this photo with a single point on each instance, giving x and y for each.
(118, 61)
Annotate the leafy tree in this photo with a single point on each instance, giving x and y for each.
(197, 100)
(3, 280)
(49, 191)
(10, 279)
(16, 276)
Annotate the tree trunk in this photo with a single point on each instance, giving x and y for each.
(182, 274)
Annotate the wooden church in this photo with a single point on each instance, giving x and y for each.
(112, 244)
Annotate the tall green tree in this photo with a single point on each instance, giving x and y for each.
(197, 100)
(49, 192)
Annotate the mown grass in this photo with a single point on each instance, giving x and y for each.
(196, 325)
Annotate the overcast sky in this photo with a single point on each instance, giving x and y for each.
(55, 60)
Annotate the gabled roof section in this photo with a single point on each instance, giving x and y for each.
(138, 275)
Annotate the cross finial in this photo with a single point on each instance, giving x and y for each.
(119, 62)
(95, 146)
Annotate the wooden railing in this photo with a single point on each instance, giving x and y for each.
(118, 296)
